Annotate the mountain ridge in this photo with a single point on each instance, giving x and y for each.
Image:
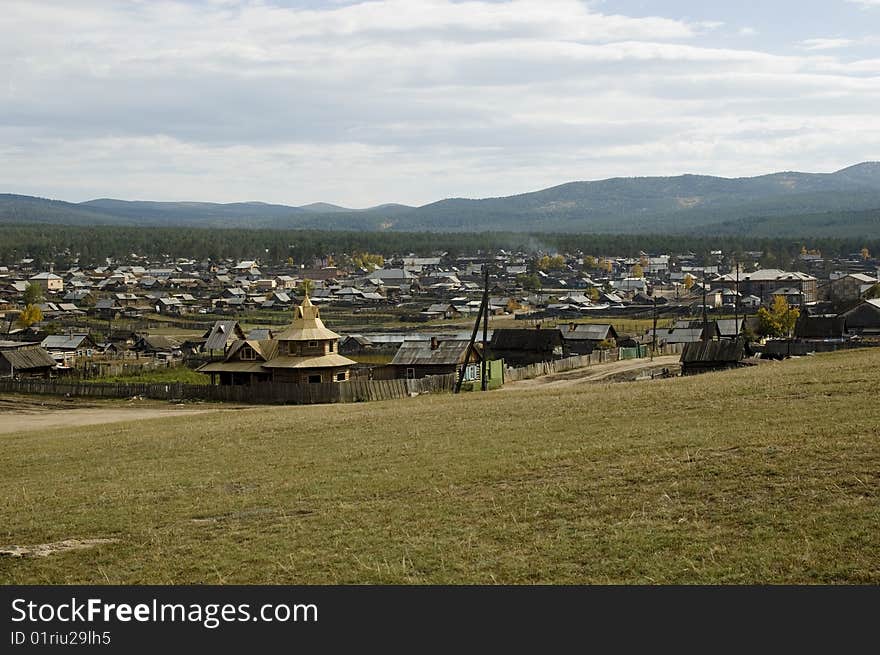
(682, 203)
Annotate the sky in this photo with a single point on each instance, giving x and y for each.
(412, 101)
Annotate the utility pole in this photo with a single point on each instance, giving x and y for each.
(705, 317)
(483, 309)
(484, 382)
(736, 325)
(654, 338)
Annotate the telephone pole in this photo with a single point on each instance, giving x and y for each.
(736, 325)
(705, 317)
(654, 338)
(484, 382)
(483, 311)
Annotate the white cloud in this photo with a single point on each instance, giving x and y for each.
(403, 100)
(826, 44)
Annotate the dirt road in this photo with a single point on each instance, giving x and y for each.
(25, 414)
(597, 373)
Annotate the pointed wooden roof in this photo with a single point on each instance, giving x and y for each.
(307, 325)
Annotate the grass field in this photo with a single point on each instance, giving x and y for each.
(762, 475)
(181, 373)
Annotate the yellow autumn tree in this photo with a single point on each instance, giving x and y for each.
(29, 315)
(779, 320)
(367, 260)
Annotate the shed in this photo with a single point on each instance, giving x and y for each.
(583, 338)
(521, 347)
(702, 356)
(26, 361)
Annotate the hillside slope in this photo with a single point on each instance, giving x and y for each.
(647, 482)
(680, 204)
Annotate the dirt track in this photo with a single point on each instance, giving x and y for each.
(597, 373)
(20, 414)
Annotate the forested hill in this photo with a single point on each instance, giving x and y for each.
(803, 204)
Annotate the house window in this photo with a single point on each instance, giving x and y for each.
(314, 379)
(331, 346)
(282, 347)
(248, 353)
(410, 373)
(340, 377)
(313, 344)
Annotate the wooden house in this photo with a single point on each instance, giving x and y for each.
(584, 338)
(221, 336)
(864, 318)
(418, 359)
(305, 352)
(25, 360)
(521, 347)
(819, 328)
(703, 356)
(67, 347)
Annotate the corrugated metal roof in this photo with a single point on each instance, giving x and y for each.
(421, 353)
(221, 334)
(729, 327)
(64, 341)
(589, 332)
(684, 335)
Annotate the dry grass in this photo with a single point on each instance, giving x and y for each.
(767, 475)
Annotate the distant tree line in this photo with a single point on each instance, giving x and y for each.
(90, 246)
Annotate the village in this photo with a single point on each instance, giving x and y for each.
(382, 318)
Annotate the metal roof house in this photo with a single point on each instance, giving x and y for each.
(418, 359)
(763, 283)
(79, 345)
(583, 338)
(222, 335)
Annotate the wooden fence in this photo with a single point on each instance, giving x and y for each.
(263, 393)
(581, 361)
